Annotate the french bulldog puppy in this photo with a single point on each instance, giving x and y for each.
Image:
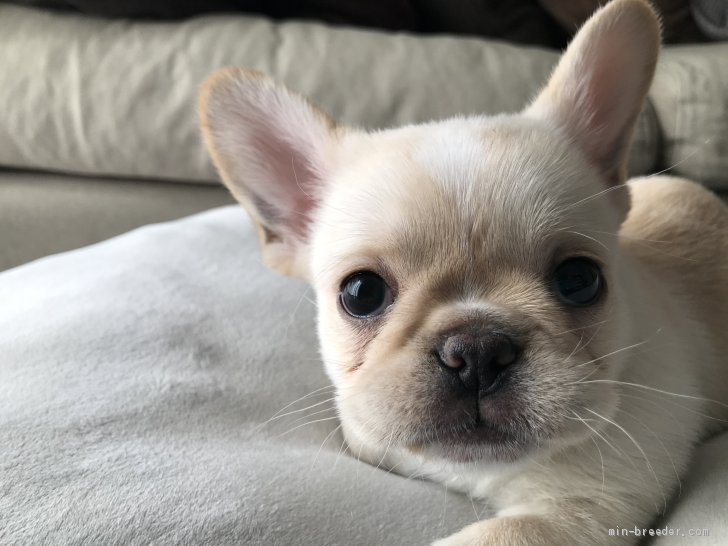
(498, 309)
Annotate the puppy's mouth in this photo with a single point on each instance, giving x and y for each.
(480, 444)
(475, 439)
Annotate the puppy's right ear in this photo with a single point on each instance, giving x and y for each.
(274, 151)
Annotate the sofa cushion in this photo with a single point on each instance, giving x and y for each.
(690, 98)
(118, 98)
(138, 381)
(42, 213)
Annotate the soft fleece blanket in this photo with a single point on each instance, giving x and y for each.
(136, 378)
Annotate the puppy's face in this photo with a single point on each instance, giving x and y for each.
(466, 281)
(467, 272)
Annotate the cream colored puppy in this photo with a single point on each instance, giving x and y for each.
(498, 310)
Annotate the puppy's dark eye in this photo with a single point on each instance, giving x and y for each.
(578, 282)
(365, 294)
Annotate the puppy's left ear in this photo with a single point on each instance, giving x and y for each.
(598, 88)
(275, 152)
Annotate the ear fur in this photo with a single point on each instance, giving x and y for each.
(598, 87)
(274, 151)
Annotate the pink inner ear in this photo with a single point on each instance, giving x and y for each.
(288, 187)
(610, 99)
(598, 87)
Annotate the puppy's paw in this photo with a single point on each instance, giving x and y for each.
(512, 530)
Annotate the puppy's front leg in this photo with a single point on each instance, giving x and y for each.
(575, 521)
(512, 530)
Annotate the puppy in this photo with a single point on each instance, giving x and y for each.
(498, 310)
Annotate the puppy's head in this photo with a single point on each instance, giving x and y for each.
(467, 272)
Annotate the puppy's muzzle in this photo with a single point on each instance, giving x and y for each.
(479, 360)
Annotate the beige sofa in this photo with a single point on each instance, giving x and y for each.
(138, 376)
(98, 132)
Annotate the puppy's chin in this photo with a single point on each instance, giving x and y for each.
(480, 443)
(489, 429)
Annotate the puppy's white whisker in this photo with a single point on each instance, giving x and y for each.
(293, 412)
(601, 358)
(596, 195)
(306, 424)
(654, 389)
(444, 505)
(392, 468)
(640, 449)
(601, 457)
(295, 310)
(624, 236)
(307, 416)
(318, 452)
(317, 392)
(590, 238)
(416, 472)
(475, 511)
(601, 460)
(599, 435)
(576, 348)
(683, 160)
(662, 444)
(572, 330)
(364, 426)
(341, 450)
(665, 253)
(591, 338)
(384, 455)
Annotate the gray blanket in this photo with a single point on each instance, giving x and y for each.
(136, 379)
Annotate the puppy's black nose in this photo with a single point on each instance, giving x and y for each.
(478, 360)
